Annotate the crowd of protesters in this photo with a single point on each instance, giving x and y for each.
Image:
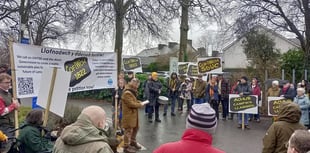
(199, 98)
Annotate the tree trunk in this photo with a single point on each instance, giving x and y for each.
(24, 10)
(307, 33)
(119, 30)
(183, 31)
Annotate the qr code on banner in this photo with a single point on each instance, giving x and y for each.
(25, 86)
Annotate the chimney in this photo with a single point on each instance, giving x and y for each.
(171, 45)
(190, 42)
(202, 51)
(161, 46)
(215, 53)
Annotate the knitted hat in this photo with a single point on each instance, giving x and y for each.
(202, 117)
(154, 74)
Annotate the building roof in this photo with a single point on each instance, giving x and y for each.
(163, 49)
(290, 41)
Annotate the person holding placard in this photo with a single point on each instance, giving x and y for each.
(243, 89)
(130, 119)
(303, 101)
(281, 130)
(199, 90)
(7, 107)
(117, 94)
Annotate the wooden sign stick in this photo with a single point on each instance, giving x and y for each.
(243, 127)
(13, 73)
(116, 113)
(50, 95)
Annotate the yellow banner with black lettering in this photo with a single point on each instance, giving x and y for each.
(209, 65)
(243, 104)
(274, 105)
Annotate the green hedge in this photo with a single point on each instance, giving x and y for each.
(106, 94)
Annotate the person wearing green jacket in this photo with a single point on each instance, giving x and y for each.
(280, 131)
(86, 135)
(30, 134)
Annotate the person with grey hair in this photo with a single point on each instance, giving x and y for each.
(274, 90)
(303, 101)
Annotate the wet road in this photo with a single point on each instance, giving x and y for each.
(228, 137)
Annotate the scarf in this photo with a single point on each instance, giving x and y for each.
(172, 83)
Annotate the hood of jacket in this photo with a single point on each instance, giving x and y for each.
(81, 132)
(131, 89)
(197, 135)
(289, 112)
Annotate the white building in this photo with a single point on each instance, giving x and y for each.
(235, 58)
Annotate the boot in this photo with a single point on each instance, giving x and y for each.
(136, 146)
(129, 149)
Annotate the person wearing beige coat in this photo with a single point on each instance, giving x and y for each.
(130, 111)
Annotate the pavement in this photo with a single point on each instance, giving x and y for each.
(227, 137)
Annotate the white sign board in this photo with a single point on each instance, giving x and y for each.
(59, 95)
(210, 65)
(90, 70)
(244, 104)
(173, 65)
(132, 64)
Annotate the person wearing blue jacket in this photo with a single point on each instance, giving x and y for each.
(303, 101)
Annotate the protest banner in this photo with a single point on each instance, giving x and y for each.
(132, 64)
(274, 105)
(182, 68)
(192, 70)
(244, 104)
(209, 65)
(90, 70)
(173, 65)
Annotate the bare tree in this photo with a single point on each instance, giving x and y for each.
(286, 15)
(201, 11)
(128, 15)
(46, 19)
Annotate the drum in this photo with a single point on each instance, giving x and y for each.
(163, 100)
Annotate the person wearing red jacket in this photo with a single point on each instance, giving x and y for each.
(201, 123)
(7, 106)
(256, 91)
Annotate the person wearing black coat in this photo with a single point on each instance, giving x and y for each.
(288, 91)
(155, 88)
